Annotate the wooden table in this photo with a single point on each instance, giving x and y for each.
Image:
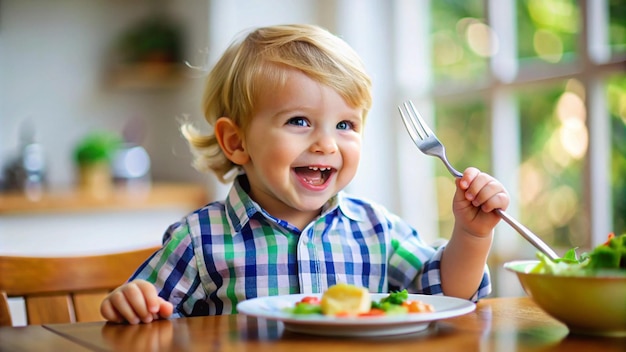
(35, 338)
(498, 324)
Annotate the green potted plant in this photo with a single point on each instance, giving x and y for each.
(149, 54)
(156, 39)
(93, 155)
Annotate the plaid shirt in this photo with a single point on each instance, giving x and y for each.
(230, 251)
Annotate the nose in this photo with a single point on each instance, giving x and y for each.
(324, 143)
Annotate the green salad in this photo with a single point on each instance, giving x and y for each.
(608, 257)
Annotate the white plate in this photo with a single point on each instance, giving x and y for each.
(273, 308)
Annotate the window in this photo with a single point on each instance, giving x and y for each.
(533, 92)
(616, 98)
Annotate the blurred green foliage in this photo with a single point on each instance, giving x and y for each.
(465, 129)
(97, 147)
(616, 91)
(152, 39)
(548, 31)
(453, 60)
(554, 21)
(561, 175)
(617, 25)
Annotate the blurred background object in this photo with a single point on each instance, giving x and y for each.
(94, 157)
(104, 159)
(149, 53)
(131, 165)
(26, 170)
(131, 162)
(155, 39)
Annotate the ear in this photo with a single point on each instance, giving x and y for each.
(230, 138)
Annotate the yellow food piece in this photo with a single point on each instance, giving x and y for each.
(346, 299)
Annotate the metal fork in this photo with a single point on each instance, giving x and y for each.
(429, 144)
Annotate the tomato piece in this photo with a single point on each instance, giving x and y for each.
(310, 300)
(609, 238)
(417, 307)
(342, 314)
(374, 312)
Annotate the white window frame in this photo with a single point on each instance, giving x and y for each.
(594, 64)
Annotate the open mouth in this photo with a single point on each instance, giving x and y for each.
(315, 176)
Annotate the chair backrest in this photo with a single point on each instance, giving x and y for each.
(64, 289)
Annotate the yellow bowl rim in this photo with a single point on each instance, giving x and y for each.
(619, 276)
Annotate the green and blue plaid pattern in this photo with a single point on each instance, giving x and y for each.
(230, 251)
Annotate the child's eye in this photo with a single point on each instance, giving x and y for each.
(298, 121)
(345, 125)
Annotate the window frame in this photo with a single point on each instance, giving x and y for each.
(594, 63)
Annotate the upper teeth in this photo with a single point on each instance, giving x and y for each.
(318, 168)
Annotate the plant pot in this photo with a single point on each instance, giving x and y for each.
(96, 178)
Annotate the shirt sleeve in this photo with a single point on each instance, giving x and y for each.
(415, 265)
(430, 280)
(174, 272)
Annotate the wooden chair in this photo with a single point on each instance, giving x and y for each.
(64, 289)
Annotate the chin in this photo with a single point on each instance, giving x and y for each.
(312, 205)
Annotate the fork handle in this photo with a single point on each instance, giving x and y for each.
(527, 234)
(521, 229)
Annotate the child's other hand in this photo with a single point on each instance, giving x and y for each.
(477, 195)
(135, 302)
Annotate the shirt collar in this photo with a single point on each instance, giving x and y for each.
(341, 202)
(241, 208)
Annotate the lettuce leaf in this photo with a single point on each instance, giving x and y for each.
(610, 255)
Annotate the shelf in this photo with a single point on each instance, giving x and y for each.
(158, 195)
(146, 76)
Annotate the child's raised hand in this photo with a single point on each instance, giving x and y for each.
(135, 302)
(477, 195)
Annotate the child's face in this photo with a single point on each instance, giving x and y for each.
(304, 146)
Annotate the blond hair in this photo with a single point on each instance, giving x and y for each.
(258, 63)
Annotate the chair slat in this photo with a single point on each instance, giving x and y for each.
(87, 306)
(5, 313)
(51, 309)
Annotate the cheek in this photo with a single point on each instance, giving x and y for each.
(271, 157)
(351, 155)
(352, 151)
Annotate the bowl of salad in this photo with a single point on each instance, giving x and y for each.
(586, 292)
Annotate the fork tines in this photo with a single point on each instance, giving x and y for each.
(413, 121)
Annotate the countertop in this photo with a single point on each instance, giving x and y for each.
(155, 196)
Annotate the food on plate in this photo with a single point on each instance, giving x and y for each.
(607, 257)
(350, 300)
(345, 299)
